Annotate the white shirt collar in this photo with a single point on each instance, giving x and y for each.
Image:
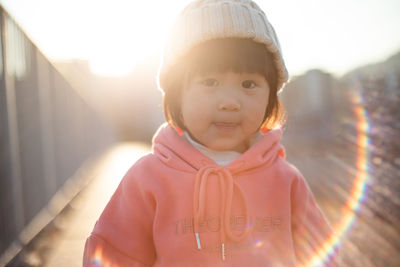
(222, 158)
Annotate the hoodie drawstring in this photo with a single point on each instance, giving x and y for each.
(226, 184)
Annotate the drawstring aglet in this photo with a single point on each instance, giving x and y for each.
(223, 251)
(198, 240)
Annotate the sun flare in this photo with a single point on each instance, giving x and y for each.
(129, 33)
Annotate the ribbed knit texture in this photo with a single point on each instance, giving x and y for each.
(205, 20)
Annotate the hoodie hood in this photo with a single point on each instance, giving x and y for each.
(177, 153)
(173, 149)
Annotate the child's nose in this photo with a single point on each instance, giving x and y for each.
(229, 104)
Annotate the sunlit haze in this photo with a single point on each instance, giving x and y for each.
(335, 36)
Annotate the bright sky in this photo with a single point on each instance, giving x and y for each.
(335, 36)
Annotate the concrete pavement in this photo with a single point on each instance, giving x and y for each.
(89, 203)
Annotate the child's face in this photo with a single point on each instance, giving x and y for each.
(223, 111)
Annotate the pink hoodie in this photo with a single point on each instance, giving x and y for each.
(176, 207)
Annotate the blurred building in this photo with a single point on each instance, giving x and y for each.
(313, 103)
(131, 103)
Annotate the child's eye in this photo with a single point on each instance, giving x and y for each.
(249, 84)
(210, 82)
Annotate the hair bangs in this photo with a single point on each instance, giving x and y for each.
(230, 54)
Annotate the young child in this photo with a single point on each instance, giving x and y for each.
(216, 189)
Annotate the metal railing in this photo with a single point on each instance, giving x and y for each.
(46, 132)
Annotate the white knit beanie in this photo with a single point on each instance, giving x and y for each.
(204, 20)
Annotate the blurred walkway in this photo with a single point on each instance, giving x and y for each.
(67, 248)
(89, 204)
(341, 180)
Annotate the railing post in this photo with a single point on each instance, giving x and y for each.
(46, 125)
(9, 37)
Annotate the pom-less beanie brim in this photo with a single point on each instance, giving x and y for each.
(205, 20)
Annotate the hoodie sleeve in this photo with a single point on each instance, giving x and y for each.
(310, 229)
(122, 235)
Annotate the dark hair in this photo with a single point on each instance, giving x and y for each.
(222, 55)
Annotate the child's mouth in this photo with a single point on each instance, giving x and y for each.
(226, 126)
